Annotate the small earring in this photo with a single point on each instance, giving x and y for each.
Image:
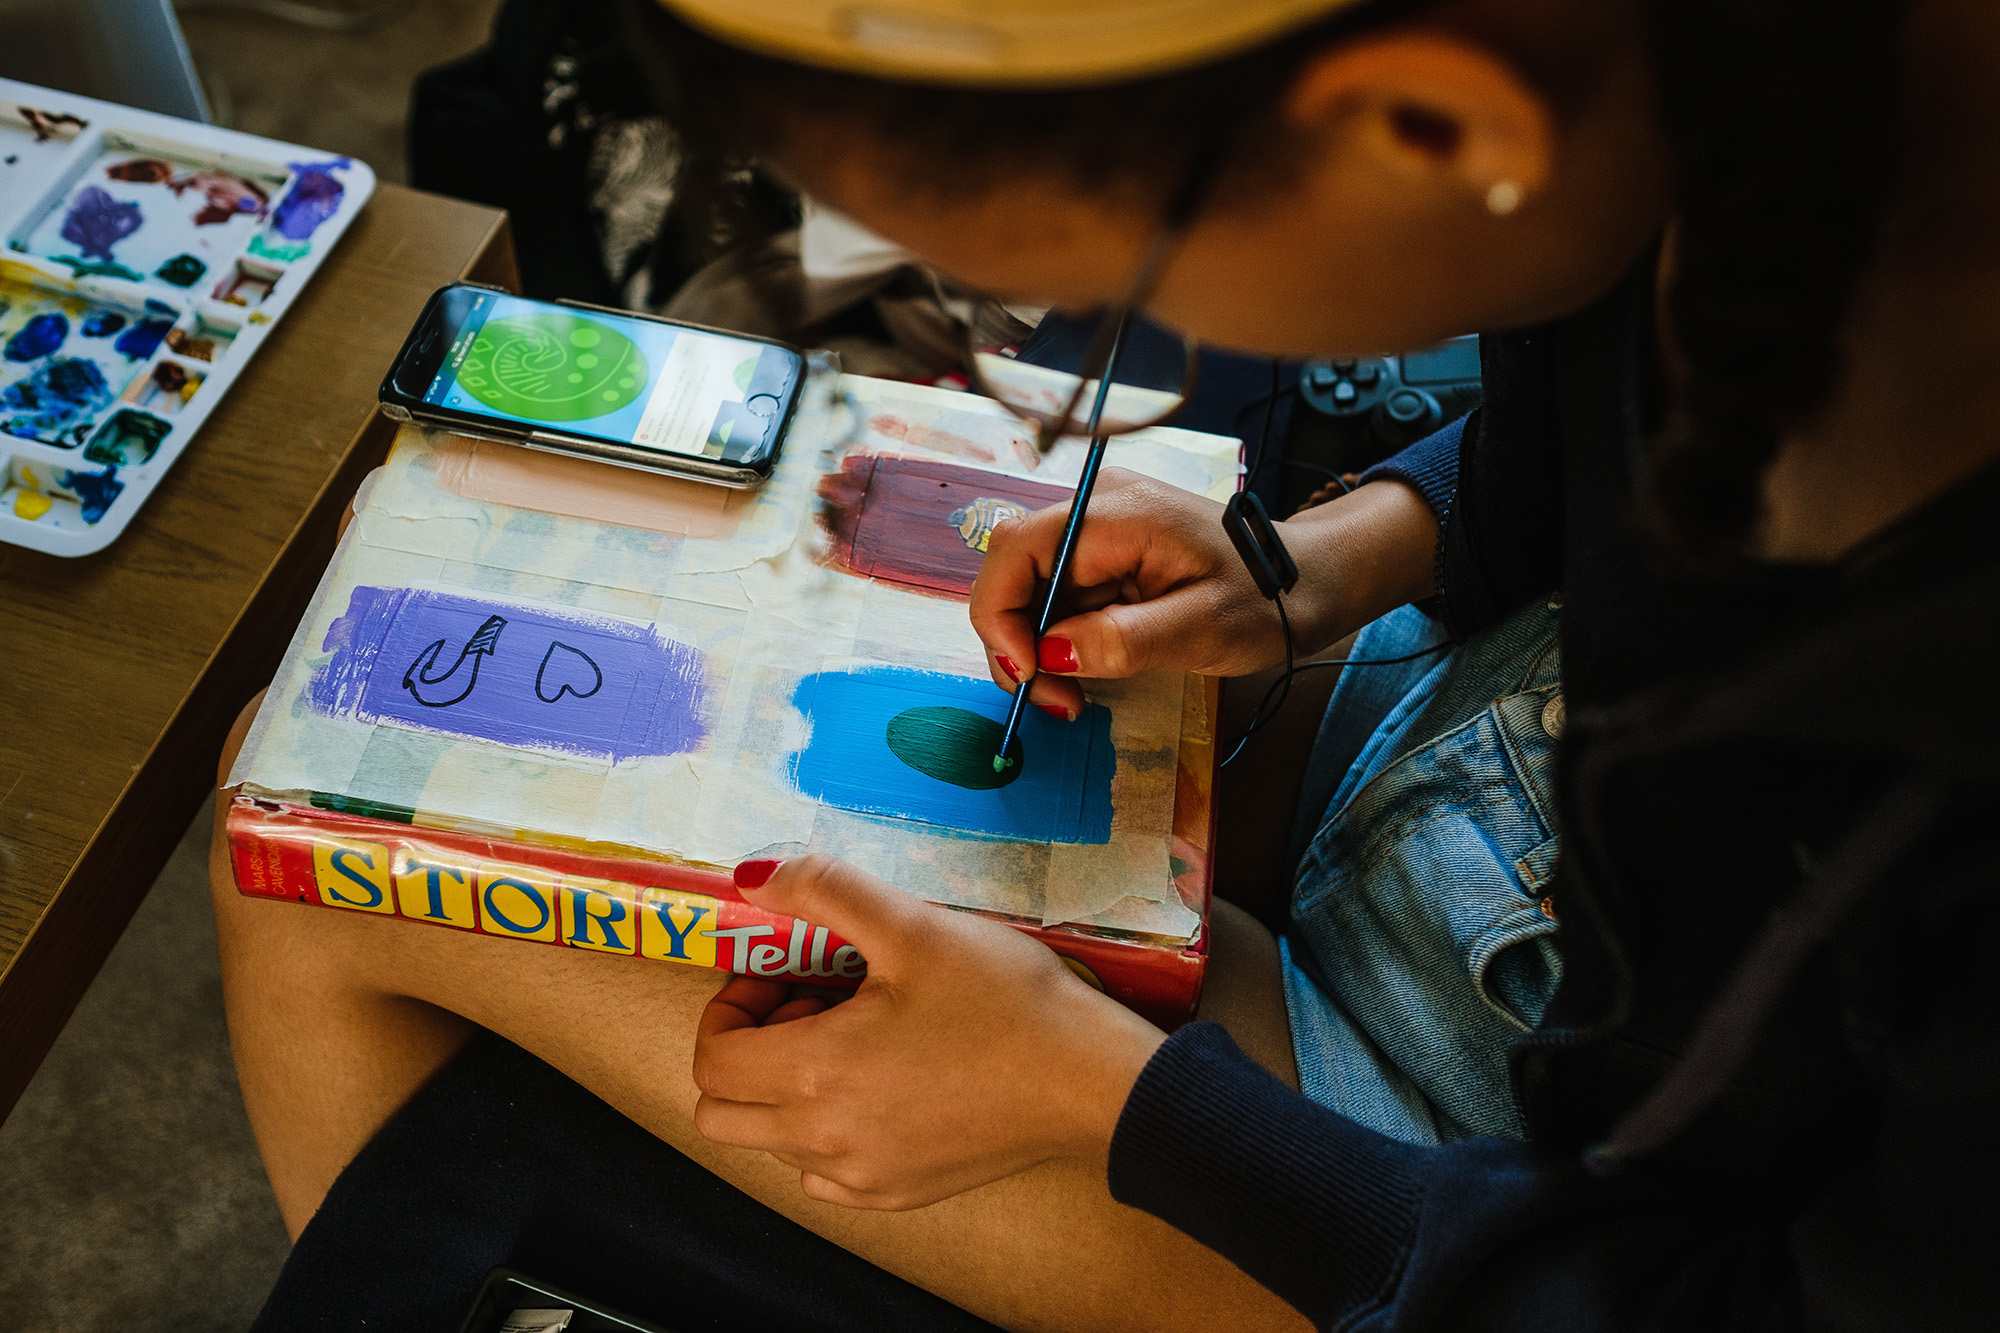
(1503, 198)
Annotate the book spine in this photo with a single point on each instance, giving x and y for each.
(642, 908)
(516, 891)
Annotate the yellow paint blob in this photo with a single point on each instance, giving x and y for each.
(31, 505)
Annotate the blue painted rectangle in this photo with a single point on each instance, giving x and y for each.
(1063, 793)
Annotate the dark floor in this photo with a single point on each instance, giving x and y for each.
(131, 1196)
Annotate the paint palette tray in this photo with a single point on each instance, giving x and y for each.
(145, 259)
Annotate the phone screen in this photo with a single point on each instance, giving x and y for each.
(631, 381)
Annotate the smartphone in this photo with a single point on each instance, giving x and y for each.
(605, 384)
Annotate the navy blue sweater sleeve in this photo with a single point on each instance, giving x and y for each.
(1356, 1230)
(1361, 1232)
(1496, 481)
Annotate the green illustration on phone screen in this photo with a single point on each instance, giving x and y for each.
(551, 367)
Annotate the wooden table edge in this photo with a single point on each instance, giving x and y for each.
(62, 952)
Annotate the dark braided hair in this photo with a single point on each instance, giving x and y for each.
(1780, 113)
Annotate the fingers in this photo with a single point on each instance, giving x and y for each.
(743, 1002)
(804, 1006)
(881, 921)
(1126, 638)
(765, 1129)
(832, 1191)
(1007, 593)
(1021, 554)
(1142, 590)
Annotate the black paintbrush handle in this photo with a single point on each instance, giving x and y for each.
(1085, 484)
(1091, 462)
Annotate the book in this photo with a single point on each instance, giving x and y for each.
(548, 700)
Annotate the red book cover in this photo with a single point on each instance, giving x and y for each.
(612, 903)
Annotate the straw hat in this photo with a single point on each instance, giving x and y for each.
(1018, 43)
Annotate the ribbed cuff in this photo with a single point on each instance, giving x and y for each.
(1318, 1209)
(1430, 465)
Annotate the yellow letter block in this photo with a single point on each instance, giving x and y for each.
(520, 903)
(671, 926)
(427, 891)
(598, 914)
(353, 875)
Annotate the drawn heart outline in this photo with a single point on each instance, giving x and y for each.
(566, 666)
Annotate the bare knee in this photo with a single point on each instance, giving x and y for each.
(1244, 990)
(222, 879)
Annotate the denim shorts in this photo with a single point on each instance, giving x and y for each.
(1419, 948)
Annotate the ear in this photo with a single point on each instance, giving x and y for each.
(1428, 105)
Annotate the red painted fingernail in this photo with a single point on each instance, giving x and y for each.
(754, 874)
(1007, 665)
(1059, 714)
(1056, 653)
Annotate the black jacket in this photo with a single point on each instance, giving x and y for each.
(1767, 1093)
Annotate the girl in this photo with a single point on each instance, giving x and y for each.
(1721, 529)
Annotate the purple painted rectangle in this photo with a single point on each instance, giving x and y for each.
(514, 675)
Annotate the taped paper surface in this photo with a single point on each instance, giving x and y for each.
(674, 674)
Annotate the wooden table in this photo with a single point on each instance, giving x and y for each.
(121, 672)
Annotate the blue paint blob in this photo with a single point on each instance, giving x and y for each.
(102, 323)
(143, 339)
(37, 338)
(96, 222)
(95, 491)
(1059, 792)
(60, 395)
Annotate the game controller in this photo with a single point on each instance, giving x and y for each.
(1360, 410)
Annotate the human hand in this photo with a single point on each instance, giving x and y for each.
(969, 1053)
(1155, 583)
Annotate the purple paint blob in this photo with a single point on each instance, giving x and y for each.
(37, 338)
(314, 197)
(96, 222)
(514, 675)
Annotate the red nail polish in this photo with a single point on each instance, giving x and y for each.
(1056, 653)
(754, 874)
(1059, 714)
(1007, 665)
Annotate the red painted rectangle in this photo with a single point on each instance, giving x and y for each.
(919, 523)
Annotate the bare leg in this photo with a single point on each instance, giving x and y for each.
(336, 1020)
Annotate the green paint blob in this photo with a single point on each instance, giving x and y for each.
(181, 271)
(952, 745)
(551, 367)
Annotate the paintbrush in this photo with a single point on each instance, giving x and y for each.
(1084, 484)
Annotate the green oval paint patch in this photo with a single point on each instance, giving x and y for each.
(952, 745)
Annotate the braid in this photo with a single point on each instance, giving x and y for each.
(1780, 112)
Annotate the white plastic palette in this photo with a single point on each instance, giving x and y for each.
(145, 259)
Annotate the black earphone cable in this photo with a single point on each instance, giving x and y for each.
(1282, 686)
